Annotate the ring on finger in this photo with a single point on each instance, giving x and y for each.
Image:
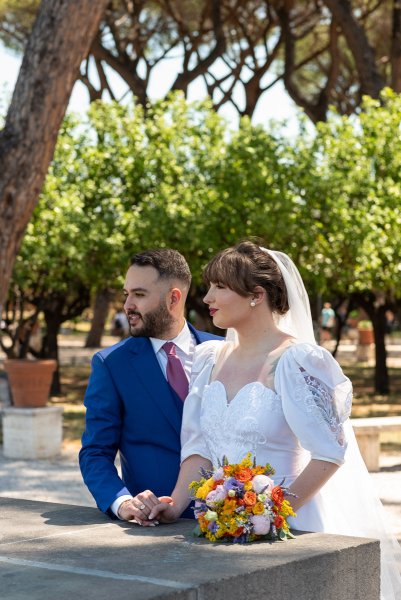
(141, 506)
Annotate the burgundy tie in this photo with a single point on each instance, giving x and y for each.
(175, 371)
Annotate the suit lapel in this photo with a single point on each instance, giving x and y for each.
(149, 374)
(197, 334)
(203, 336)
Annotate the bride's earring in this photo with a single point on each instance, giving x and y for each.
(253, 303)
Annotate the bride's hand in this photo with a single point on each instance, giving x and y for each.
(165, 512)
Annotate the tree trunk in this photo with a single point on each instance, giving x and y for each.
(100, 311)
(377, 314)
(50, 347)
(60, 40)
(365, 61)
(382, 379)
(396, 48)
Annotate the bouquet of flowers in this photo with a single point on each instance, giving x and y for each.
(241, 503)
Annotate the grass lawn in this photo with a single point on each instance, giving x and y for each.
(366, 403)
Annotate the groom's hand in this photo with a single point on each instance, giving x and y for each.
(139, 508)
(165, 511)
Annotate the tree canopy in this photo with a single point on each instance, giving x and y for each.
(325, 52)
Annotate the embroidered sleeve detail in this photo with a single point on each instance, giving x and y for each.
(319, 401)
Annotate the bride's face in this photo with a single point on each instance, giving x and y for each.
(226, 307)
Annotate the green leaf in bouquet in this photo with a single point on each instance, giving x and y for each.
(197, 532)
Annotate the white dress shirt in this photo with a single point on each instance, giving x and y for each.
(185, 348)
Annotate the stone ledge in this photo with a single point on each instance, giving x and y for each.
(57, 550)
(367, 432)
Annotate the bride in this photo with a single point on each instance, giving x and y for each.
(271, 390)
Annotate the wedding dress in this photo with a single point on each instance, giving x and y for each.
(305, 416)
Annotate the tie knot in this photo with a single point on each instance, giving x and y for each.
(169, 348)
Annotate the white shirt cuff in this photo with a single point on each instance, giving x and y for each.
(117, 503)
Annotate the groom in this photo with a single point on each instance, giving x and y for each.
(135, 394)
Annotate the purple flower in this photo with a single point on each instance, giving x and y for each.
(241, 539)
(232, 484)
(213, 527)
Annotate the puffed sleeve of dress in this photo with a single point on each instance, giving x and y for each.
(192, 440)
(316, 399)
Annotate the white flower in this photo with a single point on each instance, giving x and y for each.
(217, 495)
(211, 515)
(261, 524)
(262, 483)
(218, 474)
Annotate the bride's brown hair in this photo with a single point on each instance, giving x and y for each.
(245, 266)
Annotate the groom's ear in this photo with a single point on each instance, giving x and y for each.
(175, 297)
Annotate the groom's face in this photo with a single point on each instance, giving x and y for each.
(145, 304)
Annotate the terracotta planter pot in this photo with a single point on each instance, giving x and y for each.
(30, 381)
(366, 336)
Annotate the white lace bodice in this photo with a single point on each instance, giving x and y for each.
(301, 418)
(230, 428)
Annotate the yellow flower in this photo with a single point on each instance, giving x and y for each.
(230, 505)
(233, 527)
(258, 509)
(204, 489)
(248, 486)
(287, 510)
(246, 462)
(258, 470)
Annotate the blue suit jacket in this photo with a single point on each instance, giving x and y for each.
(131, 408)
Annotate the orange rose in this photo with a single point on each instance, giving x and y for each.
(277, 495)
(244, 475)
(250, 498)
(278, 521)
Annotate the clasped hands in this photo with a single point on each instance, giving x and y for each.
(148, 510)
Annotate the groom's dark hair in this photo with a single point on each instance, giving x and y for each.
(169, 263)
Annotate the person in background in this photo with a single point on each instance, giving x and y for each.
(328, 321)
(120, 325)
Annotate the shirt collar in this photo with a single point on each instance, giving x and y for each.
(182, 340)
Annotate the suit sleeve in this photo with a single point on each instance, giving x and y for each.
(101, 438)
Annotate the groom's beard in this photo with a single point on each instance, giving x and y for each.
(155, 323)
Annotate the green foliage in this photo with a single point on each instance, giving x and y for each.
(358, 170)
(122, 181)
(16, 18)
